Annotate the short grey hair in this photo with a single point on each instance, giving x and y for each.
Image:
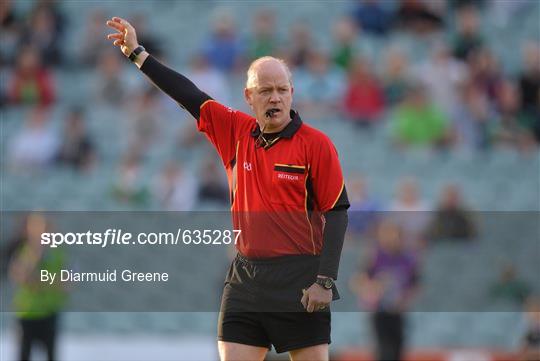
(252, 75)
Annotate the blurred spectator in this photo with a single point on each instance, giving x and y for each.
(388, 286)
(452, 219)
(532, 120)
(364, 96)
(529, 83)
(91, 45)
(418, 122)
(208, 79)
(37, 304)
(130, 186)
(410, 213)
(77, 149)
(364, 212)
(212, 186)
(301, 45)
(142, 124)
(529, 349)
(529, 78)
(109, 80)
(31, 83)
(441, 74)
(54, 7)
(44, 32)
(175, 188)
(395, 77)
(468, 38)
(264, 39)
(508, 287)
(223, 48)
(318, 88)
(35, 145)
(10, 32)
(510, 130)
(372, 17)
(344, 33)
(484, 71)
(421, 16)
(473, 119)
(8, 17)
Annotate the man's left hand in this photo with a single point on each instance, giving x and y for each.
(316, 298)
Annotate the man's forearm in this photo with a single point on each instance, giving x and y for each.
(177, 86)
(333, 238)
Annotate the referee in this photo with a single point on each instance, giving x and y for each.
(288, 197)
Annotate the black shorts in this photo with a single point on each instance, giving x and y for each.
(261, 304)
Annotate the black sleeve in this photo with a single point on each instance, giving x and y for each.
(175, 85)
(333, 236)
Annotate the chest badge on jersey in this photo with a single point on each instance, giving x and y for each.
(289, 172)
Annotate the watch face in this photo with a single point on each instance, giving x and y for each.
(328, 283)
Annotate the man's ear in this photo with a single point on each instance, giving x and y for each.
(292, 90)
(247, 96)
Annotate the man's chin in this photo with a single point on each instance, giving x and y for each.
(275, 123)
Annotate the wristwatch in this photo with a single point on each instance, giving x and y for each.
(326, 282)
(136, 52)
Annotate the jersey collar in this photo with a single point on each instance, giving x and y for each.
(286, 132)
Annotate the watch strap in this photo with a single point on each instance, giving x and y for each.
(135, 53)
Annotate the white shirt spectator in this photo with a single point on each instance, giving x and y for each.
(442, 75)
(35, 145)
(176, 188)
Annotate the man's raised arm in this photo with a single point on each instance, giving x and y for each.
(177, 86)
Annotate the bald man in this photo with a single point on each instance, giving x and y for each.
(288, 198)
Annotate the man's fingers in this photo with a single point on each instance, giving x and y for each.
(116, 25)
(309, 301)
(311, 306)
(304, 298)
(119, 19)
(118, 42)
(122, 21)
(115, 36)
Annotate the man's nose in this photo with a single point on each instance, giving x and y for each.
(275, 98)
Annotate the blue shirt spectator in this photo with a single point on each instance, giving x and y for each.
(372, 17)
(223, 48)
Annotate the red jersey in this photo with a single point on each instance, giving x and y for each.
(278, 194)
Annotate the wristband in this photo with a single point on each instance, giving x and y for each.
(136, 52)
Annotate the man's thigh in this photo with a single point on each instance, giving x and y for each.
(311, 353)
(293, 331)
(232, 351)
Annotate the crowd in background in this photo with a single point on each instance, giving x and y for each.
(458, 97)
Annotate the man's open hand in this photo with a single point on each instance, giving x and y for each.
(316, 298)
(125, 38)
